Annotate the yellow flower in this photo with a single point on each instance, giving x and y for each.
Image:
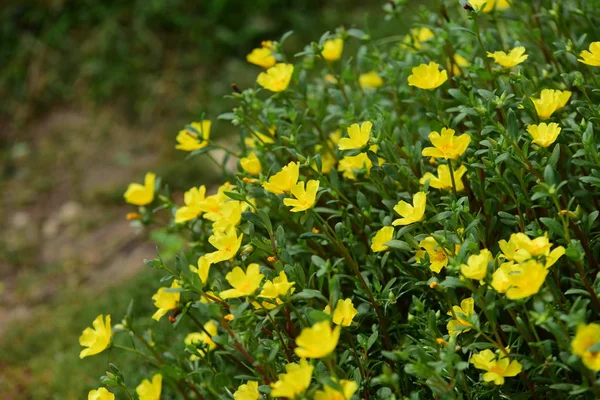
(508, 60)
(437, 254)
(358, 136)
(202, 338)
(328, 160)
(262, 56)
(193, 199)
(279, 286)
(417, 37)
(348, 390)
(490, 5)
(331, 79)
(277, 78)
(150, 390)
(554, 255)
(262, 138)
(427, 76)
(410, 214)
(349, 164)
(332, 49)
(591, 57)
(344, 312)
(98, 339)
(244, 283)
(586, 337)
(544, 134)
(140, 195)
(295, 381)
(459, 62)
(304, 199)
(284, 180)
(317, 341)
(460, 324)
(497, 367)
(519, 281)
(165, 300)
(211, 206)
(477, 265)
(227, 244)
(195, 138)
(100, 394)
(382, 236)
(521, 248)
(370, 80)
(249, 391)
(203, 269)
(443, 180)
(251, 164)
(550, 101)
(447, 145)
(230, 215)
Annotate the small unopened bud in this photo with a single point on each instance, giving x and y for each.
(315, 230)
(441, 341)
(271, 259)
(434, 285)
(133, 216)
(229, 317)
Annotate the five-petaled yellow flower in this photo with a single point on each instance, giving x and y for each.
(459, 62)
(203, 338)
(519, 281)
(150, 390)
(443, 180)
(550, 101)
(100, 394)
(521, 247)
(244, 283)
(591, 57)
(141, 195)
(193, 200)
(358, 136)
(227, 244)
(271, 290)
(166, 300)
(332, 49)
(447, 145)
(317, 341)
(417, 37)
(304, 198)
(344, 312)
(349, 165)
(348, 388)
(427, 76)
(295, 381)
(411, 214)
(544, 134)
(247, 391)
(382, 236)
(370, 80)
(586, 337)
(98, 339)
(284, 180)
(460, 324)
(262, 56)
(251, 164)
(490, 5)
(277, 78)
(195, 138)
(437, 254)
(497, 367)
(477, 265)
(508, 60)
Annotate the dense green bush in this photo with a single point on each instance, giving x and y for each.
(414, 220)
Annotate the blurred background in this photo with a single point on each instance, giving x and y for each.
(92, 95)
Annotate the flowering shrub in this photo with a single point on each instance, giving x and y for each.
(416, 219)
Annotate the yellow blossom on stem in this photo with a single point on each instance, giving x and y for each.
(427, 76)
(211, 206)
(519, 281)
(447, 145)
(248, 391)
(193, 199)
(344, 312)
(304, 198)
(230, 213)
(508, 60)
(348, 388)
(437, 254)
(277, 78)
(166, 300)
(358, 136)
(284, 180)
(150, 390)
(370, 80)
(203, 269)
(141, 195)
(521, 248)
(227, 244)
(262, 56)
(194, 138)
(544, 134)
(382, 236)
(350, 164)
(459, 62)
(317, 341)
(550, 101)
(203, 338)
(260, 137)
(100, 394)
(243, 283)
(417, 37)
(477, 265)
(586, 337)
(443, 180)
(97, 339)
(411, 213)
(295, 381)
(460, 324)
(279, 286)
(591, 57)
(251, 164)
(497, 368)
(332, 49)
(490, 5)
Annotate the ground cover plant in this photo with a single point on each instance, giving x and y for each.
(416, 219)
